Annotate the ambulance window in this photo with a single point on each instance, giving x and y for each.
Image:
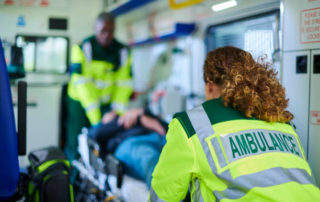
(47, 54)
(256, 34)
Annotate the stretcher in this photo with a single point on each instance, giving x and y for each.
(105, 177)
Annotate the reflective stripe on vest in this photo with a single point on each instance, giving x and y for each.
(119, 107)
(101, 84)
(105, 99)
(92, 107)
(196, 196)
(267, 178)
(124, 83)
(154, 197)
(87, 50)
(241, 185)
(203, 128)
(82, 80)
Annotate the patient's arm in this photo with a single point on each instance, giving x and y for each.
(152, 124)
(108, 117)
(130, 118)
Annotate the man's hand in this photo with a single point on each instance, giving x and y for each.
(130, 118)
(152, 124)
(108, 117)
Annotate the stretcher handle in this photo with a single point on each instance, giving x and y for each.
(22, 118)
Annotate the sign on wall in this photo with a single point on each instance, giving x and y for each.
(34, 3)
(310, 25)
(315, 117)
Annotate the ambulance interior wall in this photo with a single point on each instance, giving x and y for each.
(186, 76)
(301, 45)
(44, 89)
(79, 13)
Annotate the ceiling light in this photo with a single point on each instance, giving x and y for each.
(224, 5)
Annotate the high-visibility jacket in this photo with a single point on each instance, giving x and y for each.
(100, 77)
(223, 156)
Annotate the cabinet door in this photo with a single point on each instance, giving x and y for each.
(314, 130)
(43, 105)
(296, 73)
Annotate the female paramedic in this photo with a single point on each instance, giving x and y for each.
(238, 144)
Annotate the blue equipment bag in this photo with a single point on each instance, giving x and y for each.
(9, 166)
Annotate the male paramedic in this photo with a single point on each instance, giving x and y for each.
(237, 145)
(100, 80)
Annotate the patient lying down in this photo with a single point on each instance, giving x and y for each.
(135, 138)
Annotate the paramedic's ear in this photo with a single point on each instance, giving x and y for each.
(212, 90)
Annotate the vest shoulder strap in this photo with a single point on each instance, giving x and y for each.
(186, 123)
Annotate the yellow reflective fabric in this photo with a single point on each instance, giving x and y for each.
(206, 195)
(173, 173)
(93, 86)
(94, 115)
(105, 94)
(184, 161)
(99, 70)
(98, 84)
(124, 71)
(103, 76)
(266, 161)
(263, 161)
(122, 95)
(77, 56)
(82, 89)
(291, 192)
(124, 88)
(203, 167)
(71, 88)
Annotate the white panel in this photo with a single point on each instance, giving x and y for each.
(301, 27)
(314, 133)
(181, 66)
(140, 30)
(198, 57)
(151, 64)
(81, 16)
(297, 90)
(42, 118)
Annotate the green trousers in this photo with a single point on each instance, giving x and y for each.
(76, 120)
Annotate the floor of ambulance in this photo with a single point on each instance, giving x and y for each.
(132, 190)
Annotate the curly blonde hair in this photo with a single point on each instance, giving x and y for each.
(247, 85)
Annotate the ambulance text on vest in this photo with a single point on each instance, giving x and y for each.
(252, 142)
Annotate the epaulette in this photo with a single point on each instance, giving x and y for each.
(186, 123)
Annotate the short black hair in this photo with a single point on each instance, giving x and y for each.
(105, 17)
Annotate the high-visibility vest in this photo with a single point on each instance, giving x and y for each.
(99, 84)
(233, 160)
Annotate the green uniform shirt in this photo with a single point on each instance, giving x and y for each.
(110, 54)
(221, 155)
(100, 77)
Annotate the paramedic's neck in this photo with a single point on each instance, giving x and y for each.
(212, 91)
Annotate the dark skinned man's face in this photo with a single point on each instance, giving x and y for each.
(104, 32)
